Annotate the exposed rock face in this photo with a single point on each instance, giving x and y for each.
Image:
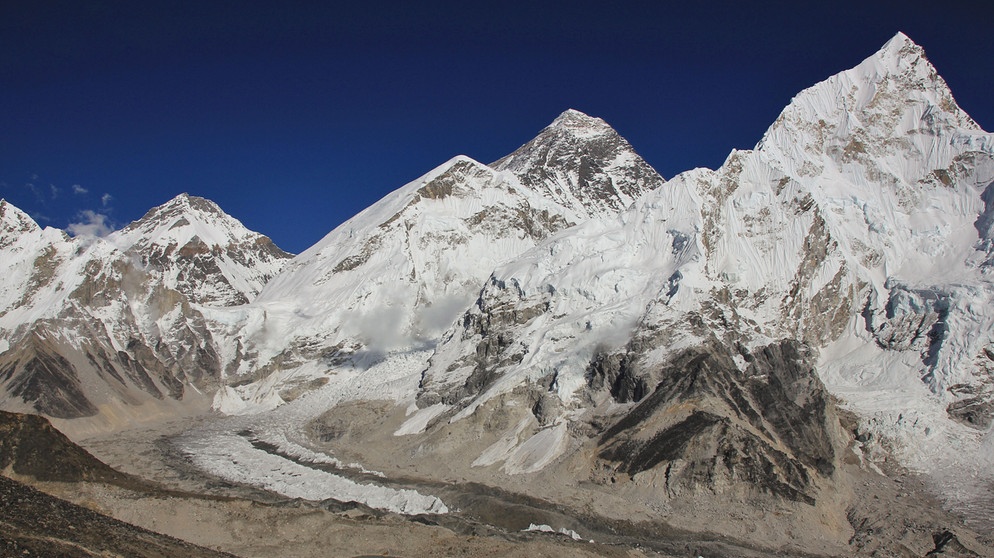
(581, 159)
(13, 223)
(39, 373)
(974, 405)
(946, 544)
(709, 425)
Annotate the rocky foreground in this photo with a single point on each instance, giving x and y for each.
(33, 523)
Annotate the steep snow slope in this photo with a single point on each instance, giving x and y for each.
(31, 256)
(903, 176)
(395, 276)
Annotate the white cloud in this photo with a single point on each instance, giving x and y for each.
(79, 190)
(91, 224)
(55, 191)
(106, 199)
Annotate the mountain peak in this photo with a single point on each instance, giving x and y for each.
(898, 41)
(581, 162)
(13, 220)
(900, 45)
(899, 56)
(183, 207)
(571, 116)
(189, 219)
(579, 124)
(202, 251)
(892, 95)
(185, 202)
(195, 215)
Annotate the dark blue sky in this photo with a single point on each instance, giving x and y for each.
(295, 116)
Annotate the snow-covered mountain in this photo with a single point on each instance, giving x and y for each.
(395, 276)
(201, 251)
(862, 203)
(565, 314)
(100, 326)
(858, 226)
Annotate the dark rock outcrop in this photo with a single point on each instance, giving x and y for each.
(40, 374)
(946, 544)
(707, 424)
(575, 157)
(30, 446)
(33, 523)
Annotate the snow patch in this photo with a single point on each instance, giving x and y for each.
(419, 422)
(241, 401)
(502, 449)
(543, 528)
(538, 451)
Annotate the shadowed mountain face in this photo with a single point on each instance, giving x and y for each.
(45, 377)
(707, 424)
(32, 447)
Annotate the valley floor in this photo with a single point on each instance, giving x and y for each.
(888, 516)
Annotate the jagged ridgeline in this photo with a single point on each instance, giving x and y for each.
(679, 347)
